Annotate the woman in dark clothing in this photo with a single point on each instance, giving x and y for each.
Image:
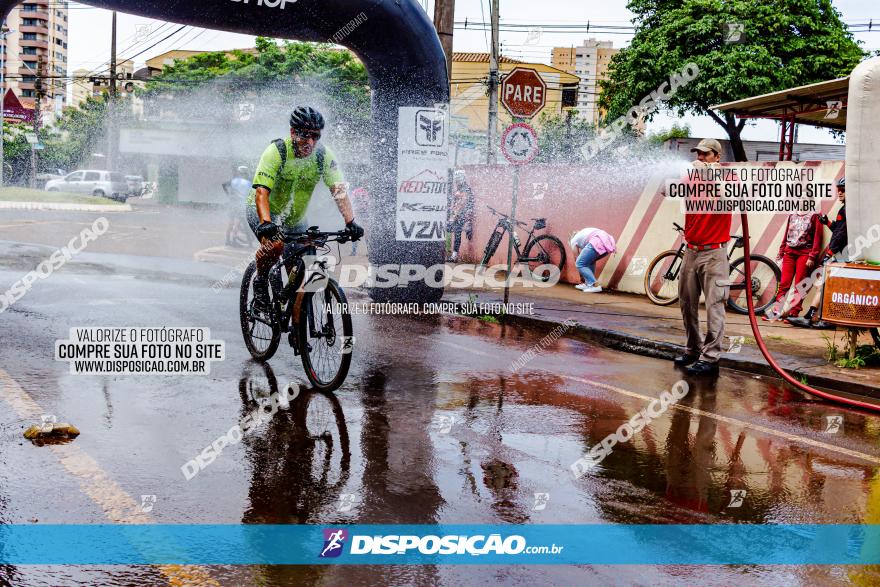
(461, 212)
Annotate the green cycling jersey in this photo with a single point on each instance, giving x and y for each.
(291, 188)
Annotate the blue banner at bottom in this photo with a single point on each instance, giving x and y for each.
(732, 544)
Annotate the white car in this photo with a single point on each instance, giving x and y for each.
(103, 184)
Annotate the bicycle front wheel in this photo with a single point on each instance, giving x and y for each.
(544, 251)
(491, 247)
(765, 284)
(261, 334)
(324, 337)
(661, 279)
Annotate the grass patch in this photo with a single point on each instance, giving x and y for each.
(19, 194)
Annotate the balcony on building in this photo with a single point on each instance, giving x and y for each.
(34, 43)
(42, 30)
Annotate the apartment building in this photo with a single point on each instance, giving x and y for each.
(589, 62)
(36, 28)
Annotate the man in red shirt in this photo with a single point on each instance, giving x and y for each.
(705, 270)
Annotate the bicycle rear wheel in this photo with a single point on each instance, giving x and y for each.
(261, 334)
(545, 250)
(324, 337)
(661, 279)
(765, 284)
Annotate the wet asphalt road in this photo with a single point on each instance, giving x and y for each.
(430, 427)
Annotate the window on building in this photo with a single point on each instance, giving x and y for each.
(29, 36)
(30, 22)
(29, 8)
(27, 93)
(28, 79)
(29, 50)
(59, 42)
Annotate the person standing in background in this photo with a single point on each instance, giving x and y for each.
(461, 212)
(799, 252)
(838, 242)
(237, 190)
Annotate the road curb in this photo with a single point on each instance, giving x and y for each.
(630, 343)
(65, 206)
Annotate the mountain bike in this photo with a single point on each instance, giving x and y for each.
(537, 251)
(661, 279)
(311, 308)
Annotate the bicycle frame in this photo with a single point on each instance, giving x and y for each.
(286, 307)
(679, 255)
(507, 226)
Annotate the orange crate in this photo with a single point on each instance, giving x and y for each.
(852, 295)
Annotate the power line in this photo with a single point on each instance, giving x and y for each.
(131, 57)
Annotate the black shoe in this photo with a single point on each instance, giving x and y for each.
(261, 296)
(822, 325)
(703, 368)
(685, 360)
(799, 322)
(810, 313)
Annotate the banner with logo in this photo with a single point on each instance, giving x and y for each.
(422, 173)
(460, 544)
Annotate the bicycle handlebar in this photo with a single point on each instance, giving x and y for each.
(313, 236)
(497, 213)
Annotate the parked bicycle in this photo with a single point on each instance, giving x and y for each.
(661, 279)
(311, 308)
(537, 251)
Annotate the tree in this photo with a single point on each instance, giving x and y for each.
(78, 133)
(787, 43)
(676, 132)
(271, 69)
(560, 137)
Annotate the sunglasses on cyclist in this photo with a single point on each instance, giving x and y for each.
(305, 134)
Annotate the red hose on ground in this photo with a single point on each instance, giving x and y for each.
(754, 322)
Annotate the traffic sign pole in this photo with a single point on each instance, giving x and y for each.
(519, 145)
(510, 236)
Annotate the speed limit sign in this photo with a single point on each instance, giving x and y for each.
(519, 143)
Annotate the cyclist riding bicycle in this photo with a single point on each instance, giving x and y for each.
(285, 179)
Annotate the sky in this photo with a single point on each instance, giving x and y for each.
(89, 42)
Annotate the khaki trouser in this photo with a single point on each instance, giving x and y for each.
(706, 272)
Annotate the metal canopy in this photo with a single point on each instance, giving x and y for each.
(822, 104)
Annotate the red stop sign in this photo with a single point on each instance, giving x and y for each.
(523, 92)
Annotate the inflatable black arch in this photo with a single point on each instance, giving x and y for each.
(406, 64)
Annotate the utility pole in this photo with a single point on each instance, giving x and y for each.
(111, 106)
(4, 32)
(493, 86)
(38, 98)
(444, 22)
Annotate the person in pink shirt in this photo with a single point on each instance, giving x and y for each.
(590, 245)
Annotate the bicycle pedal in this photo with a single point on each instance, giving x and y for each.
(291, 340)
